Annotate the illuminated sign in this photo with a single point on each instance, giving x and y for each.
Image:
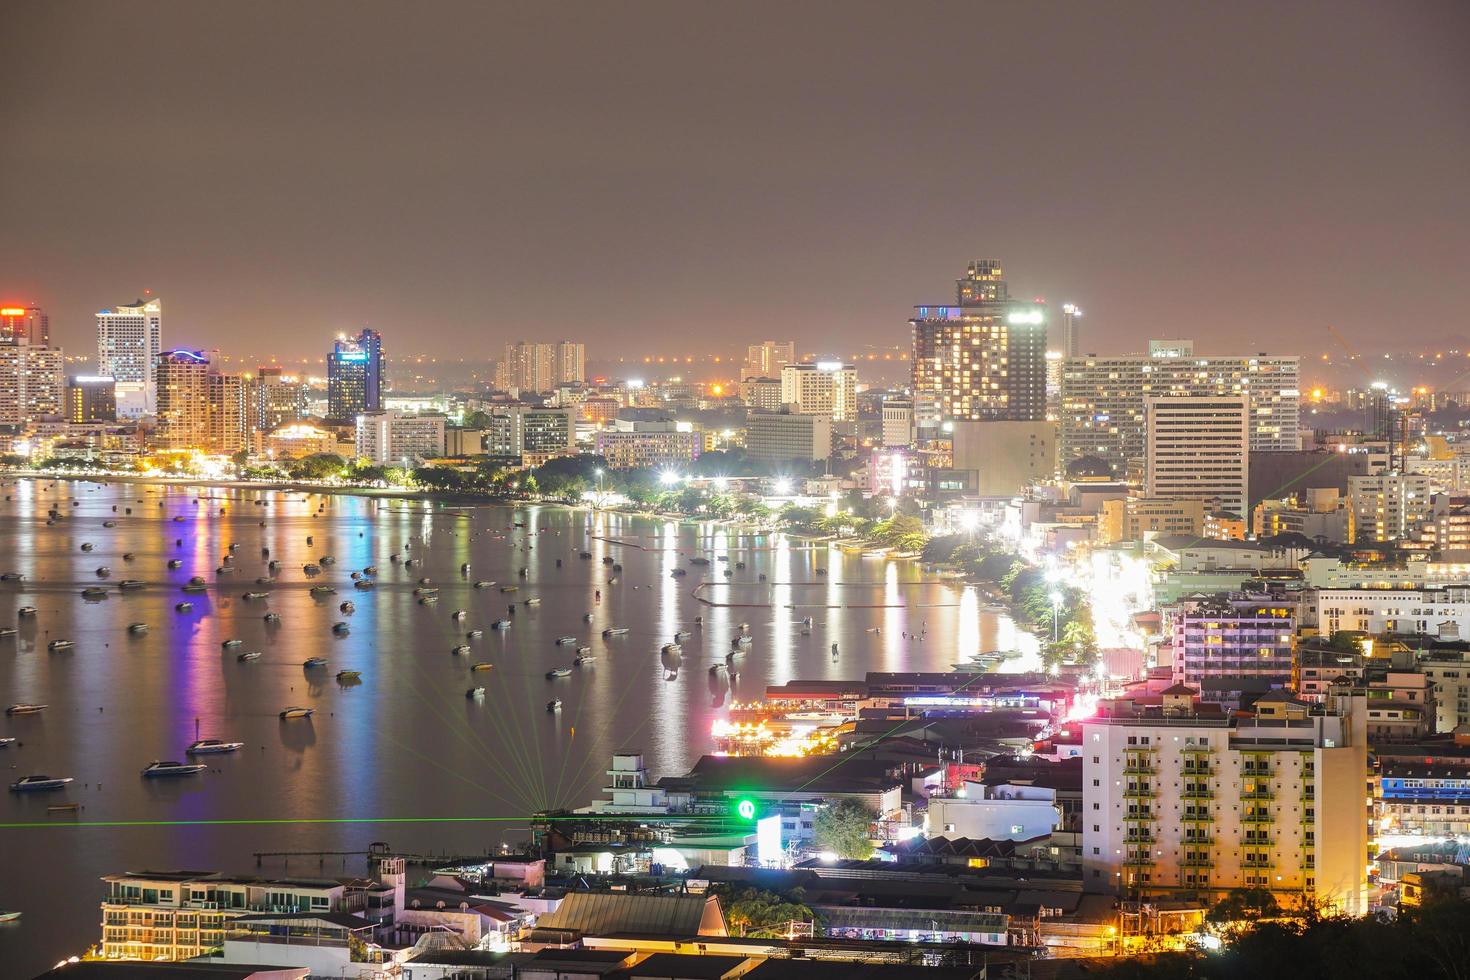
(829, 366)
(352, 355)
(13, 311)
(746, 809)
(1026, 316)
(768, 849)
(193, 355)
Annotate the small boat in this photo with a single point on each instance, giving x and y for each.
(60, 645)
(500, 624)
(717, 669)
(740, 642)
(563, 641)
(482, 665)
(103, 571)
(682, 635)
(272, 617)
(607, 559)
(12, 577)
(587, 618)
(672, 648)
(183, 606)
(553, 705)
(8, 916)
(584, 660)
(137, 627)
(315, 662)
(582, 651)
(223, 570)
(197, 580)
(245, 658)
(509, 588)
(423, 591)
(464, 568)
(86, 546)
(256, 595)
(175, 563)
(615, 631)
(873, 629)
(178, 518)
(231, 642)
(474, 693)
(585, 555)
(327, 560)
(457, 615)
(109, 523)
(94, 593)
(212, 747)
(194, 589)
(483, 584)
(370, 570)
(679, 573)
(699, 561)
(460, 650)
(8, 631)
(534, 601)
(556, 672)
(26, 611)
(311, 568)
(24, 708)
(349, 675)
(295, 712)
(130, 583)
(128, 556)
(323, 590)
(5, 742)
(474, 634)
(158, 770)
(31, 784)
(363, 583)
(428, 600)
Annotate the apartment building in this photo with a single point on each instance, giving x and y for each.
(641, 445)
(1448, 670)
(826, 388)
(1181, 797)
(1137, 518)
(1389, 506)
(399, 439)
(1102, 398)
(1197, 448)
(1233, 635)
(1442, 612)
(779, 437)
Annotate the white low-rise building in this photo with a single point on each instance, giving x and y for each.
(1005, 811)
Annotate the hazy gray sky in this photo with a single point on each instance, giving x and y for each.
(669, 177)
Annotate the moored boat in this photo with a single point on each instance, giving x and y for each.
(31, 784)
(315, 662)
(297, 712)
(349, 675)
(25, 708)
(553, 705)
(60, 645)
(615, 631)
(156, 770)
(245, 658)
(212, 746)
(556, 672)
(474, 693)
(562, 641)
(137, 627)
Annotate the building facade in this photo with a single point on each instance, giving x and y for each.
(181, 379)
(1196, 448)
(1233, 635)
(90, 399)
(24, 324)
(32, 383)
(984, 358)
(898, 423)
(129, 342)
(827, 388)
(399, 439)
(767, 358)
(279, 399)
(1389, 506)
(632, 445)
(780, 437)
(535, 366)
(1103, 398)
(355, 373)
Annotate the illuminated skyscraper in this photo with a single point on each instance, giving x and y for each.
(984, 358)
(129, 340)
(826, 388)
(533, 366)
(91, 399)
(279, 398)
(355, 376)
(24, 324)
(182, 399)
(767, 358)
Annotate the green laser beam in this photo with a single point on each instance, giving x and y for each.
(291, 821)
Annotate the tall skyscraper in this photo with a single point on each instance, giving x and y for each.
(984, 358)
(767, 358)
(1198, 448)
(355, 376)
(32, 383)
(1102, 402)
(226, 414)
(129, 341)
(538, 367)
(21, 323)
(279, 398)
(827, 388)
(1071, 313)
(182, 399)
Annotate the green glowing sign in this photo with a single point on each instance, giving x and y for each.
(746, 809)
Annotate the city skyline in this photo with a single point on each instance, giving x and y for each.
(1153, 207)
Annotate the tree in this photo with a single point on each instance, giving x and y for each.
(318, 466)
(845, 828)
(762, 914)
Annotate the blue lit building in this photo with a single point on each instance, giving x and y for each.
(355, 376)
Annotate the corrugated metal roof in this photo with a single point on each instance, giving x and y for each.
(602, 913)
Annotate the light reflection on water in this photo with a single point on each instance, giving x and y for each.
(405, 742)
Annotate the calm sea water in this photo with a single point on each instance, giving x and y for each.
(404, 744)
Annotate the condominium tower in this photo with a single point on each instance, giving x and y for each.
(355, 370)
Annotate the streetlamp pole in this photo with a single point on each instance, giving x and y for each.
(1056, 616)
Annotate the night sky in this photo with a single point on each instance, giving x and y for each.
(684, 177)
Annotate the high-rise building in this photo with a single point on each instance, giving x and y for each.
(762, 393)
(780, 437)
(1389, 506)
(1102, 400)
(1233, 635)
(32, 383)
(91, 399)
(1186, 796)
(398, 438)
(182, 399)
(630, 444)
(898, 423)
(537, 367)
(226, 414)
(1071, 313)
(827, 388)
(129, 342)
(355, 370)
(984, 358)
(1198, 448)
(767, 358)
(22, 323)
(279, 398)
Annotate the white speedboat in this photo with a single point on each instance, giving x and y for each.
(475, 693)
(671, 648)
(26, 611)
(483, 584)
(231, 643)
(31, 784)
(183, 606)
(256, 595)
(460, 650)
(137, 627)
(315, 662)
(212, 746)
(565, 641)
(615, 631)
(245, 658)
(60, 645)
(341, 629)
(157, 770)
(474, 634)
(130, 583)
(500, 624)
(25, 708)
(584, 660)
(296, 712)
(556, 672)
(553, 705)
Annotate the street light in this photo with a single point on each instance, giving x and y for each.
(1056, 616)
(668, 478)
(598, 473)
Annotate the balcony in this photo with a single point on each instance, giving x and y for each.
(1137, 837)
(1138, 816)
(1140, 793)
(1198, 841)
(1197, 770)
(1259, 816)
(1198, 816)
(1257, 794)
(1197, 793)
(1139, 769)
(1198, 861)
(1197, 749)
(1138, 861)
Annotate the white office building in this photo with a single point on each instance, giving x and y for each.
(399, 439)
(779, 437)
(826, 388)
(1442, 612)
(898, 423)
(1198, 448)
(129, 340)
(1390, 506)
